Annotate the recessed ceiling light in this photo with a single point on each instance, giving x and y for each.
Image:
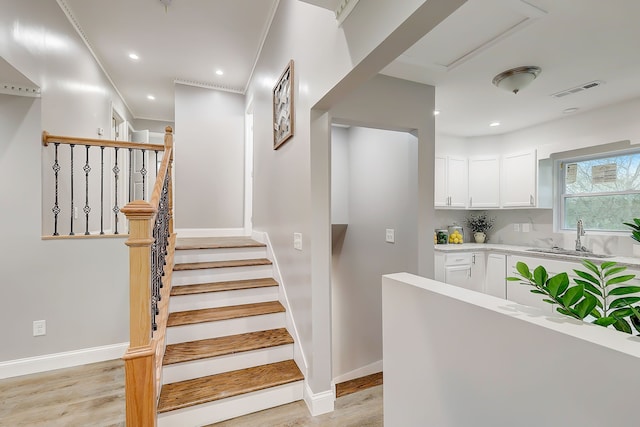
(134, 56)
(436, 112)
(570, 110)
(219, 72)
(151, 97)
(494, 124)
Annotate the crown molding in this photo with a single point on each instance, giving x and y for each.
(206, 85)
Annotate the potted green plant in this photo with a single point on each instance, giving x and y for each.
(479, 225)
(599, 292)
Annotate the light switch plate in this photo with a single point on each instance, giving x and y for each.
(39, 328)
(297, 241)
(390, 235)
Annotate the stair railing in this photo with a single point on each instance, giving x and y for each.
(151, 250)
(90, 180)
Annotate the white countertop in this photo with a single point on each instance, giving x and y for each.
(630, 262)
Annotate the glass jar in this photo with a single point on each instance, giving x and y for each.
(456, 234)
(441, 237)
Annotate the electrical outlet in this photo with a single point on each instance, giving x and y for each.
(516, 227)
(100, 131)
(390, 235)
(39, 328)
(525, 227)
(297, 241)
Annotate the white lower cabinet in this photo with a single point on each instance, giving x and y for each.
(495, 279)
(464, 269)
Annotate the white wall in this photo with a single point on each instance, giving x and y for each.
(79, 287)
(458, 358)
(339, 175)
(291, 185)
(209, 165)
(382, 189)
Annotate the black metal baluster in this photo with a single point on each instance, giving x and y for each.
(143, 172)
(116, 209)
(86, 209)
(71, 233)
(101, 190)
(56, 207)
(130, 172)
(157, 167)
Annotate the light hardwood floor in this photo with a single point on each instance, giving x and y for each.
(93, 395)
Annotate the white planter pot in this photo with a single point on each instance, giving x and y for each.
(480, 237)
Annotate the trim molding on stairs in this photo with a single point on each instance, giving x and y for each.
(319, 403)
(67, 359)
(298, 354)
(211, 232)
(371, 368)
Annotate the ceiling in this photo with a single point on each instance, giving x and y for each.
(573, 41)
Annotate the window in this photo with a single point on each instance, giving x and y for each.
(603, 191)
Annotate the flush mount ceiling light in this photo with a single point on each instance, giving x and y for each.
(516, 79)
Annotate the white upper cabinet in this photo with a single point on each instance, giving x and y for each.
(450, 176)
(519, 180)
(484, 182)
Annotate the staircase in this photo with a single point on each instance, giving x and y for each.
(228, 352)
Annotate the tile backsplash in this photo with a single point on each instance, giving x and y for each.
(540, 232)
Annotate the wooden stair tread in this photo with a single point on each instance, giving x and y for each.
(213, 347)
(221, 264)
(191, 317)
(187, 243)
(215, 387)
(233, 285)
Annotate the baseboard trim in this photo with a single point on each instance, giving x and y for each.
(318, 403)
(67, 359)
(372, 368)
(211, 232)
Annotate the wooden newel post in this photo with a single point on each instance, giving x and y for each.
(139, 359)
(168, 144)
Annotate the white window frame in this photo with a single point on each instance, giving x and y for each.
(560, 196)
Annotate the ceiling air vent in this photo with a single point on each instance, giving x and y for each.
(577, 89)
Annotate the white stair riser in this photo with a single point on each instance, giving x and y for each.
(222, 299)
(189, 277)
(231, 362)
(225, 409)
(204, 255)
(219, 328)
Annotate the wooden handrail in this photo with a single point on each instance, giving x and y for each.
(47, 139)
(143, 359)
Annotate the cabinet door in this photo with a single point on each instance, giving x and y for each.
(495, 280)
(458, 275)
(477, 279)
(457, 183)
(440, 196)
(484, 182)
(519, 180)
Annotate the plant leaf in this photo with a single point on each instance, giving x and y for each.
(624, 290)
(537, 291)
(623, 302)
(514, 279)
(591, 266)
(620, 279)
(584, 307)
(605, 321)
(558, 284)
(607, 264)
(621, 312)
(595, 313)
(587, 276)
(573, 295)
(588, 286)
(622, 325)
(549, 301)
(614, 271)
(540, 275)
(523, 269)
(565, 312)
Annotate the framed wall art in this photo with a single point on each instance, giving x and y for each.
(283, 110)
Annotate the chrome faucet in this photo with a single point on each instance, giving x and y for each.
(580, 233)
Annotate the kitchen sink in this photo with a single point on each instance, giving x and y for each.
(560, 251)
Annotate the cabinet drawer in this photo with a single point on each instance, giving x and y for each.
(458, 259)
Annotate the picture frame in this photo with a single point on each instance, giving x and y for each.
(283, 107)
